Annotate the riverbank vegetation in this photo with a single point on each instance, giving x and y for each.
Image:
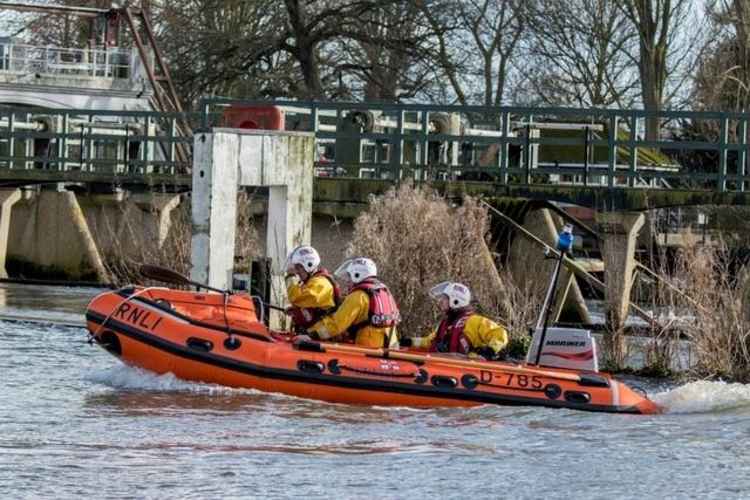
(717, 296)
(127, 241)
(419, 239)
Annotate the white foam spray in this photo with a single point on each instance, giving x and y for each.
(128, 377)
(704, 397)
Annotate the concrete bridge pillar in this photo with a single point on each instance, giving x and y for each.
(619, 231)
(8, 197)
(226, 159)
(161, 206)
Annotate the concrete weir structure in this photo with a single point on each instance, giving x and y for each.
(226, 159)
(65, 234)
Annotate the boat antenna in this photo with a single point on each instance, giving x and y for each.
(564, 245)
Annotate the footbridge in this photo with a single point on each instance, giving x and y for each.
(589, 157)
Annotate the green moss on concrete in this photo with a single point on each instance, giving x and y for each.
(348, 189)
(354, 194)
(20, 268)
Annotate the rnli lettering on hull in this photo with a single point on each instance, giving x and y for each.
(137, 316)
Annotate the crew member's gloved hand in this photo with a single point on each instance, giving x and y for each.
(281, 336)
(298, 339)
(290, 278)
(487, 353)
(405, 342)
(476, 356)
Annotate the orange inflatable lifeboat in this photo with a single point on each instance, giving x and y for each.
(218, 338)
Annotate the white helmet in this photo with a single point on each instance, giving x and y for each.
(458, 294)
(306, 256)
(356, 269)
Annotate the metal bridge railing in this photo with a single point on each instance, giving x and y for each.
(94, 63)
(598, 148)
(113, 145)
(518, 145)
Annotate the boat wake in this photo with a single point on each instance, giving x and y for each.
(694, 397)
(704, 397)
(133, 378)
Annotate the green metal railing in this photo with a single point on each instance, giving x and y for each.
(610, 144)
(101, 146)
(602, 148)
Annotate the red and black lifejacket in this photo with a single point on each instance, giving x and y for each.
(450, 334)
(305, 317)
(383, 311)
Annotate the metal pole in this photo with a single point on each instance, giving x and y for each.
(126, 155)
(548, 308)
(80, 149)
(723, 139)
(586, 139)
(527, 155)
(62, 151)
(612, 151)
(633, 164)
(503, 156)
(11, 139)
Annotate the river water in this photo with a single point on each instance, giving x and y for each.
(75, 422)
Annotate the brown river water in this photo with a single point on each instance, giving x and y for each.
(77, 423)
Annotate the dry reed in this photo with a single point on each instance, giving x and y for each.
(418, 239)
(719, 326)
(144, 247)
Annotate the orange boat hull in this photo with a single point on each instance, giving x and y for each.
(197, 336)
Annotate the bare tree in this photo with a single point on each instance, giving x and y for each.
(388, 60)
(448, 33)
(226, 47)
(657, 22)
(215, 46)
(492, 28)
(580, 50)
(313, 23)
(496, 28)
(722, 80)
(376, 49)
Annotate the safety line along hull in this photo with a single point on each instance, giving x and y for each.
(192, 338)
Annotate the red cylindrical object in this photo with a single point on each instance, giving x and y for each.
(253, 117)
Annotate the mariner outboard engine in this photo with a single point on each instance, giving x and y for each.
(564, 348)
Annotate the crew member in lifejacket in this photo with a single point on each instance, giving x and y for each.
(461, 330)
(368, 314)
(311, 289)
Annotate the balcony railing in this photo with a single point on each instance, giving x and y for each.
(92, 63)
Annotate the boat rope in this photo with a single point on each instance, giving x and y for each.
(260, 304)
(115, 309)
(226, 319)
(367, 371)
